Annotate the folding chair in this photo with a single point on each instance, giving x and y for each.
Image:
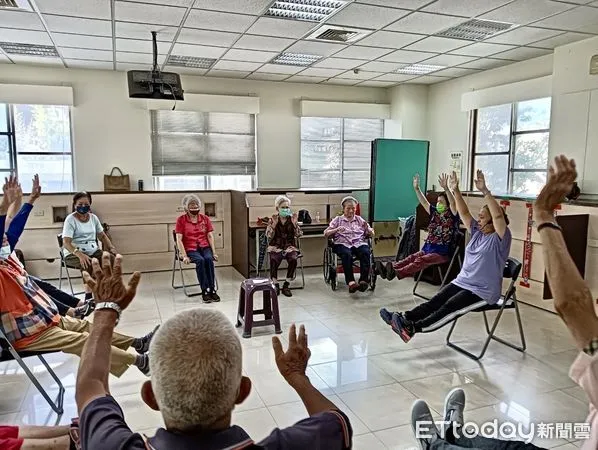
(178, 260)
(9, 353)
(443, 276)
(507, 301)
(64, 265)
(299, 265)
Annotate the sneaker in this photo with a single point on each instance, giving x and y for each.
(353, 288)
(386, 316)
(363, 286)
(402, 327)
(380, 270)
(454, 404)
(142, 364)
(145, 341)
(206, 297)
(422, 424)
(390, 271)
(214, 297)
(81, 312)
(286, 289)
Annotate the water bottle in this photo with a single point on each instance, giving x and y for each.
(317, 216)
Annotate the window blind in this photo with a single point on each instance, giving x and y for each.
(202, 143)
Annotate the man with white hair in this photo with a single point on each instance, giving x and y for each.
(196, 381)
(195, 241)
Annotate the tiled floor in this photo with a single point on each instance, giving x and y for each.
(356, 360)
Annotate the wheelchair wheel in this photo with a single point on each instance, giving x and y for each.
(326, 266)
(373, 278)
(333, 278)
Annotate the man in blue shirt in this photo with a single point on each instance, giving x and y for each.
(196, 381)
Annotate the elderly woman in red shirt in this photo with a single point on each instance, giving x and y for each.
(195, 240)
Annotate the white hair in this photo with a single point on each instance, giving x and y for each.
(190, 198)
(280, 200)
(348, 198)
(195, 364)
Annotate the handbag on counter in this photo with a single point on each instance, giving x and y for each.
(118, 182)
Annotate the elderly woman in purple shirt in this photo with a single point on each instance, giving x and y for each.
(350, 234)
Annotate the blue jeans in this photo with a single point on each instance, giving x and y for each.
(204, 266)
(362, 253)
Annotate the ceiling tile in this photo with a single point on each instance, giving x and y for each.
(182, 3)
(397, 77)
(427, 79)
(305, 79)
(139, 58)
(37, 60)
(315, 48)
(20, 19)
(200, 51)
(24, 36)
(455, 72)
(94, 9)
(143, 31)
(141, 46)
(563, 39)
(78, 53)
(523, 36)
(379, 66)
(342, 81)
(465, 8)
(280, 68)
(251, 42)
(437, 44)
(406, 4)
(237, 65)
(367, 16)
(406, 56)
(82, 41)
(78, 25)
(227, 74)
(204, 37)
(487, 63)
(359, 52)
(521, 53)
(338, 63)
(185, 70)
(524, 11)
(581, 19)
(390, 39)
(378, 84)
(319, 72)
(482, 49)
(270, 26)
(249, 55)
(255, 7)
(85, 64)
(145, 13)
(267, 76)
(123, 67)
(360, 75)
(448, 60)
(212, 20)
(425, 23)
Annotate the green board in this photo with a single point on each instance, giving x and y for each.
(394, 163)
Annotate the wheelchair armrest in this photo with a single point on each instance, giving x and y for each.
(330, 241)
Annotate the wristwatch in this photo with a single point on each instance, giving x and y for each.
(110, 305)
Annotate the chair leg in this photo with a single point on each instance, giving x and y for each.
(173, 271)
(60, 274)
(523, 346)
(68, 277)
(276, 313)
(183, 285)
(417, 280)
(460, 349)
(248, 316)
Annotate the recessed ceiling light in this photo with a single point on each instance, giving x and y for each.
(190, 61)
(475, 30)
(295, 59)
(419, 69)
(16, 48)
(310, 10)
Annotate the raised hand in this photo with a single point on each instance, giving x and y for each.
(107, 282)
(453, 181)
(443, 180)
(295, 218)
(559, 182)
(36, 189)
(292, 364)
(480, 182)
(416, 181)
(11, 188)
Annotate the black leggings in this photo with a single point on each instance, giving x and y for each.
(63, 300)
(447, 305)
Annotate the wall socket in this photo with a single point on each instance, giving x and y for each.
(38, 213)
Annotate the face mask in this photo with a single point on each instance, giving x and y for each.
(440, 208)
(5, 251)
(194, 212)
(83, 209)
(284, 212)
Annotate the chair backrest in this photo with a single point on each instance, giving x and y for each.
(60, 241)
(512, 269)
(458, 238)
(176, 246)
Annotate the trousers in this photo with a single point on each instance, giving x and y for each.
(362, 253)
(204, 267)
(480, 443)
(416, 262)
(277, 257)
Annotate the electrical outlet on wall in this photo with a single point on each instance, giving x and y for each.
(38, 213)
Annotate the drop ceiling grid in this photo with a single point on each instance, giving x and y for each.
(90, 31)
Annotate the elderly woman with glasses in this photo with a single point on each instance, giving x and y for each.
(195, 241)
(350, 234)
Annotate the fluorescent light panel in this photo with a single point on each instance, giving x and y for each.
(309, 10)
(16, 48)
(419, 69)
(190, 61)
(295, 59)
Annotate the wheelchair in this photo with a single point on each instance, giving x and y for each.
(333, 268)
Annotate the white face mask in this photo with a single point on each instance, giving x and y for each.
(5, 251)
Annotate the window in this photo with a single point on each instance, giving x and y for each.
(200, 151)
(511, 146)
(336, 153)
(37, 139)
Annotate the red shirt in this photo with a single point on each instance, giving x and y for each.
(195, 235)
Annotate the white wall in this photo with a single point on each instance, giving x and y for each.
(408, 112)
(109, 131)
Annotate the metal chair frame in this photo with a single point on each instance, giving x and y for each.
(64, 265)
(507, 301)
(179, 260)
(331, 265)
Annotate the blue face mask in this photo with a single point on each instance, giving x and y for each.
(83, 209)
(284, 212)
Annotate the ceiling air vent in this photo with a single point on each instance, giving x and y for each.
(475, 30)
(15, 4)
(331, 33)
